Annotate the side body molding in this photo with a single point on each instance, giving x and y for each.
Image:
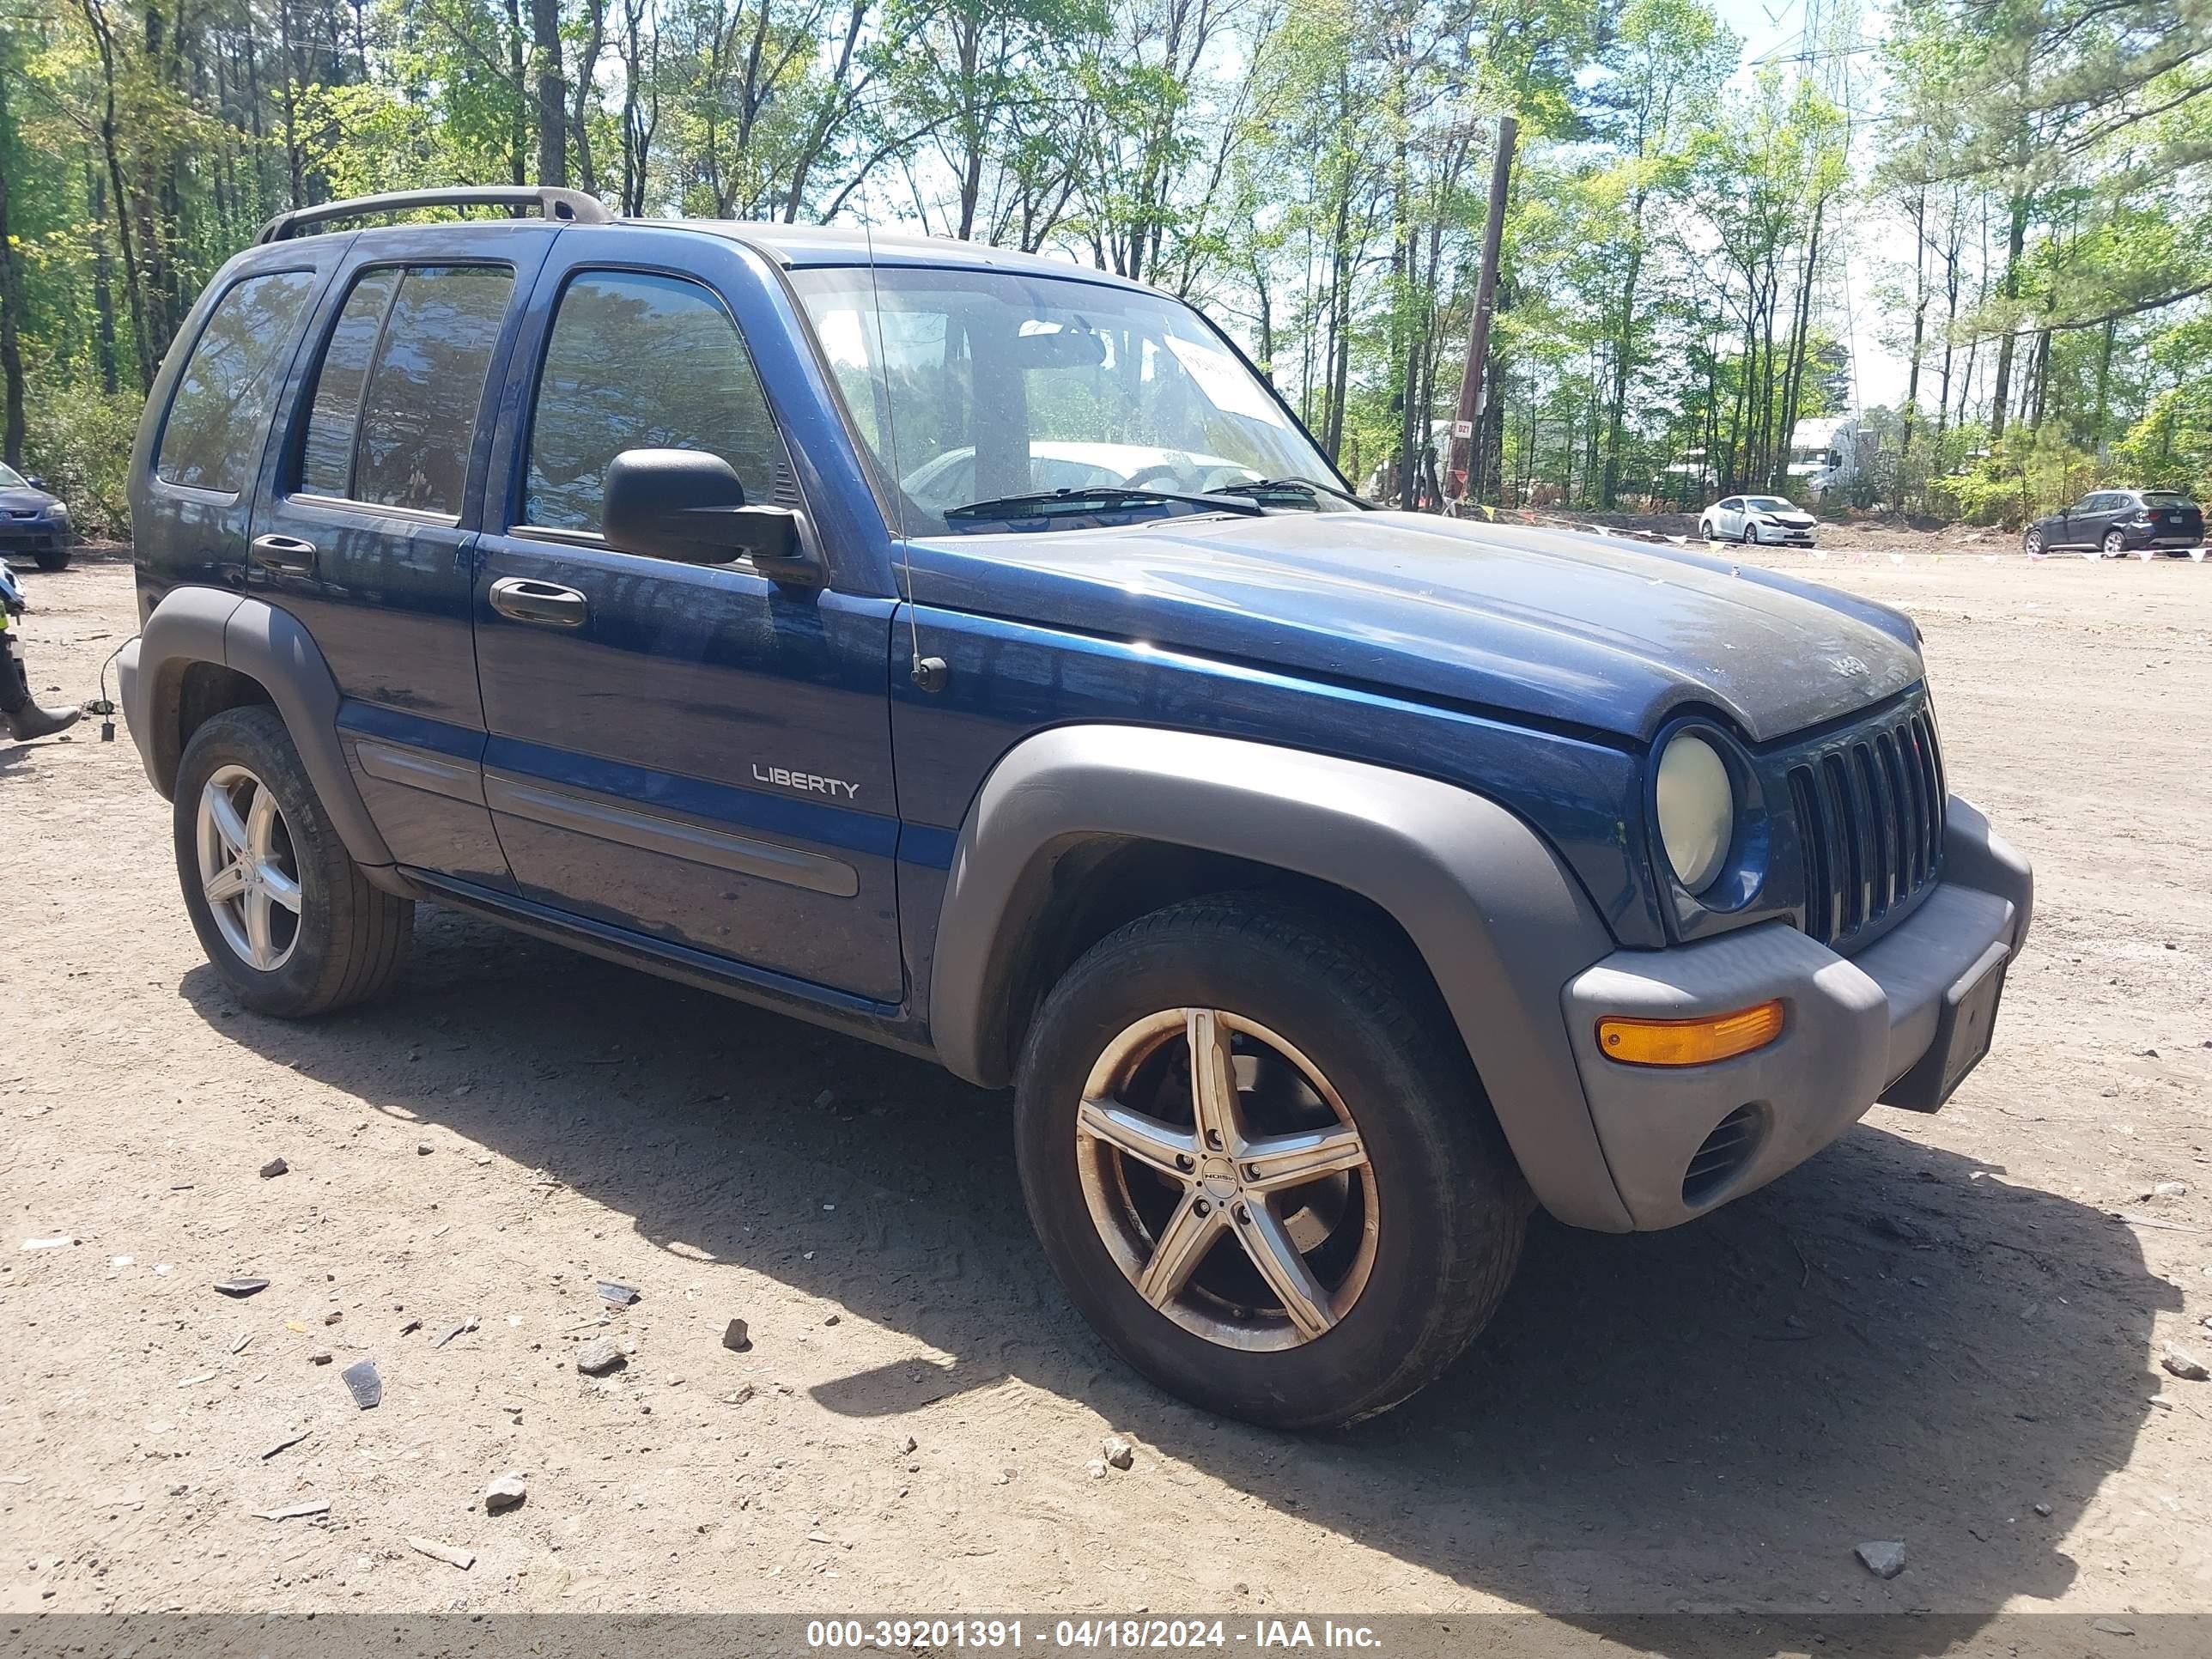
(206, 624)
(1502, 927)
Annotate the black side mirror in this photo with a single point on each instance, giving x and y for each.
(36, 483)
(688, 505)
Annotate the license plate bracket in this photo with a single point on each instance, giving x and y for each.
(1964, 1028)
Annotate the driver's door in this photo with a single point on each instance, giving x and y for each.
(693, 753)
(2085, 521)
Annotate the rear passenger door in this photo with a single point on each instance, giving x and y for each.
(693, 753)
(368, 530)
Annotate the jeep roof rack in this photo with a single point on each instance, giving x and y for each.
(570, 204)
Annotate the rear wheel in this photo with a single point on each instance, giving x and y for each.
(1265, 1174)
(2115, 544)
(282, 911)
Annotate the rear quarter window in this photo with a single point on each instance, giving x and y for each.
(219, 414)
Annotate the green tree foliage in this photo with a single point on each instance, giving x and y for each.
(1695, 246)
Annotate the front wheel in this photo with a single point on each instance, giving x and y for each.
(284, 913)
(58, 560)
(1261, 1164)
(2032, 544)
(1750, 538)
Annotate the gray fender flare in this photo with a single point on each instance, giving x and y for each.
(1502, 925)
(206, 624)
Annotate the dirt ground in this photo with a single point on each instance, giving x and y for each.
(1945, 1330)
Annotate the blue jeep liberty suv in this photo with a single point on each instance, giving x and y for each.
(972, 652)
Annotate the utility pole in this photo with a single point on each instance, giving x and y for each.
(1486, 301)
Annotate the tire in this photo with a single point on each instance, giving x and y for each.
(344, 939)
(1750, 534)
(53, 560)
(2032, 542)
(2115, 544)
(1404, 1296)
(1705, 529)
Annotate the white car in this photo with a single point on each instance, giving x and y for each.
(1764, 520)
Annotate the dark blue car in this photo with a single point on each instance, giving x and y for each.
(34, 522)
(972, 652)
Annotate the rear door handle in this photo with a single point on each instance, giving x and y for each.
(286, 553)
(529, 601)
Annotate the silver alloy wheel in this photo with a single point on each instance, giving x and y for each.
(248, 871)
(2115, 544)
(2033, 544)
(1270, 1155)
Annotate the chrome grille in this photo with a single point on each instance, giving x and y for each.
(1870, 810)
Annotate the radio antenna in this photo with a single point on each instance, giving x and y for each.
(927, 673)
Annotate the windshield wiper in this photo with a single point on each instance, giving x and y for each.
(1052, 503)
(1265, 486)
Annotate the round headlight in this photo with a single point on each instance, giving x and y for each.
(1697, 810)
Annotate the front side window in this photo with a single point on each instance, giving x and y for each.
(970, 386)
(640, 362)
(394, 416)
(220, 414)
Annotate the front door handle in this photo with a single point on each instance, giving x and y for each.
(529, 601)
(286, 553)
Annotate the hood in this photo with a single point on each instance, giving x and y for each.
(1587, 631)
(15, 500)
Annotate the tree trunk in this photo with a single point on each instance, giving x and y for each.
(1785, 442)
(2015, 242)
(518, 74)
(11, 304)
(1919, 329)
(587, 68)
(103, 288)
(552, 93)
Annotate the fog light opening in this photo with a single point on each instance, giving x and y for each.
(1689, 1042)
(1723, 1155)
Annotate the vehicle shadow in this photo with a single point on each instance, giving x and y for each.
(1893, 1342)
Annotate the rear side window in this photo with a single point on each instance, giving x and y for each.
(394, 416)
(640, 362)
(220, 414)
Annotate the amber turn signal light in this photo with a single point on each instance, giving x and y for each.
(1689, 1042)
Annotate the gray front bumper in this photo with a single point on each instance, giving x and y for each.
(1853, 1028)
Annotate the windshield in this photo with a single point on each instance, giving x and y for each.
(11, 479)
(972, 387)
(1769, 504)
